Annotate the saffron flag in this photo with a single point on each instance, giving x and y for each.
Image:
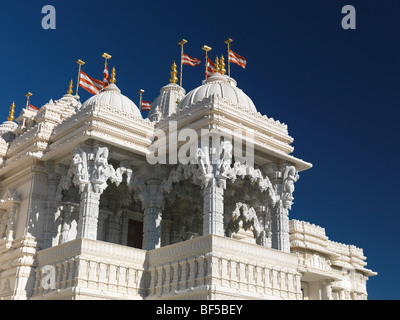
(146, 105)
(190, 61)
(235, 58)
(32, 108)
(90, 84)
(106, 76)
(210, 68)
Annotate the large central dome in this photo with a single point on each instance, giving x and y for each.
(112, 96)
(223, 86)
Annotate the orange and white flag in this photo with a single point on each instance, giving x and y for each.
(106, 77)
(235, 58)
(190, 61)
(32, 108)
(90, 84)
(210, 68)
(146, 105)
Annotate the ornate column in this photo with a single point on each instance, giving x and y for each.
(53, 199)
(166, 227)
(280, 228)
(102, 224)
(147, 183)
(214, 165)
(213, 208)
(90, 171)
(114, 227)
(283, 182)
(88, 215)
(152, 215)
(66, 223)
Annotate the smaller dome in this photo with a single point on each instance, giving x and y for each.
(6, 130)
(167, 102)
(112, 96)
(223, 86)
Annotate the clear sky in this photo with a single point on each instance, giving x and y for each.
(336, 89)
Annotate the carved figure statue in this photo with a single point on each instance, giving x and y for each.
(4, 223)
(289, 178)
(225, 160)
(204, 161)
(101, 163)
(78, 166)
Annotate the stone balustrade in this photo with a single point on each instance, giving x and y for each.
(97, 268)
(198, 268)
(193, 269)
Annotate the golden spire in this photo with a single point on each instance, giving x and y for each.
(216, 65)
(70, 87)
(12, 111)
(174, 72)
(113, 80)
(222, 65)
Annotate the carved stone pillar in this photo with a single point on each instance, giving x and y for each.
(88, 215)
(152, 215)
(213, 209)
(280, 228)
(175, 228)
(114, 227)
(90, 171)
(327, 289)
(283, 179)
(102, 225)
(53, 199)
(166, 227)
(214, 164)
(66, 223)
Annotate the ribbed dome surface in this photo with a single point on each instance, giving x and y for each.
(220, 85)
(111, 96)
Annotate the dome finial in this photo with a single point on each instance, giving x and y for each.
(71, 83)
(113, 80)
(222, 65)
(174, 72)
(12, 112)
(216, 65)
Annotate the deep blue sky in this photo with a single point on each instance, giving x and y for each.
(336, 89)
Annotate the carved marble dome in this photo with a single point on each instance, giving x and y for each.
(112, 96)
(223, 86)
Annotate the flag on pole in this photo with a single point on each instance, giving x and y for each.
(90, 84)
(235, 58)
(32, 108)
(146, 105)
(210, 68)
(190, 61)
(106, 76)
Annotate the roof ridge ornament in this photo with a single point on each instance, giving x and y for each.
(222, 65)
(71, 83)
(113, 73)
(12, 112)
(174, 72)
(217, 67)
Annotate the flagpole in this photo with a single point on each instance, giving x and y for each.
(106, 56)
(206, 49)
(81, 63)
(181, 43)
(28, 95)
(228, 42)
(141, 91)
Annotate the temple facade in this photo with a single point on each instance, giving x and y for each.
(192, 202)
